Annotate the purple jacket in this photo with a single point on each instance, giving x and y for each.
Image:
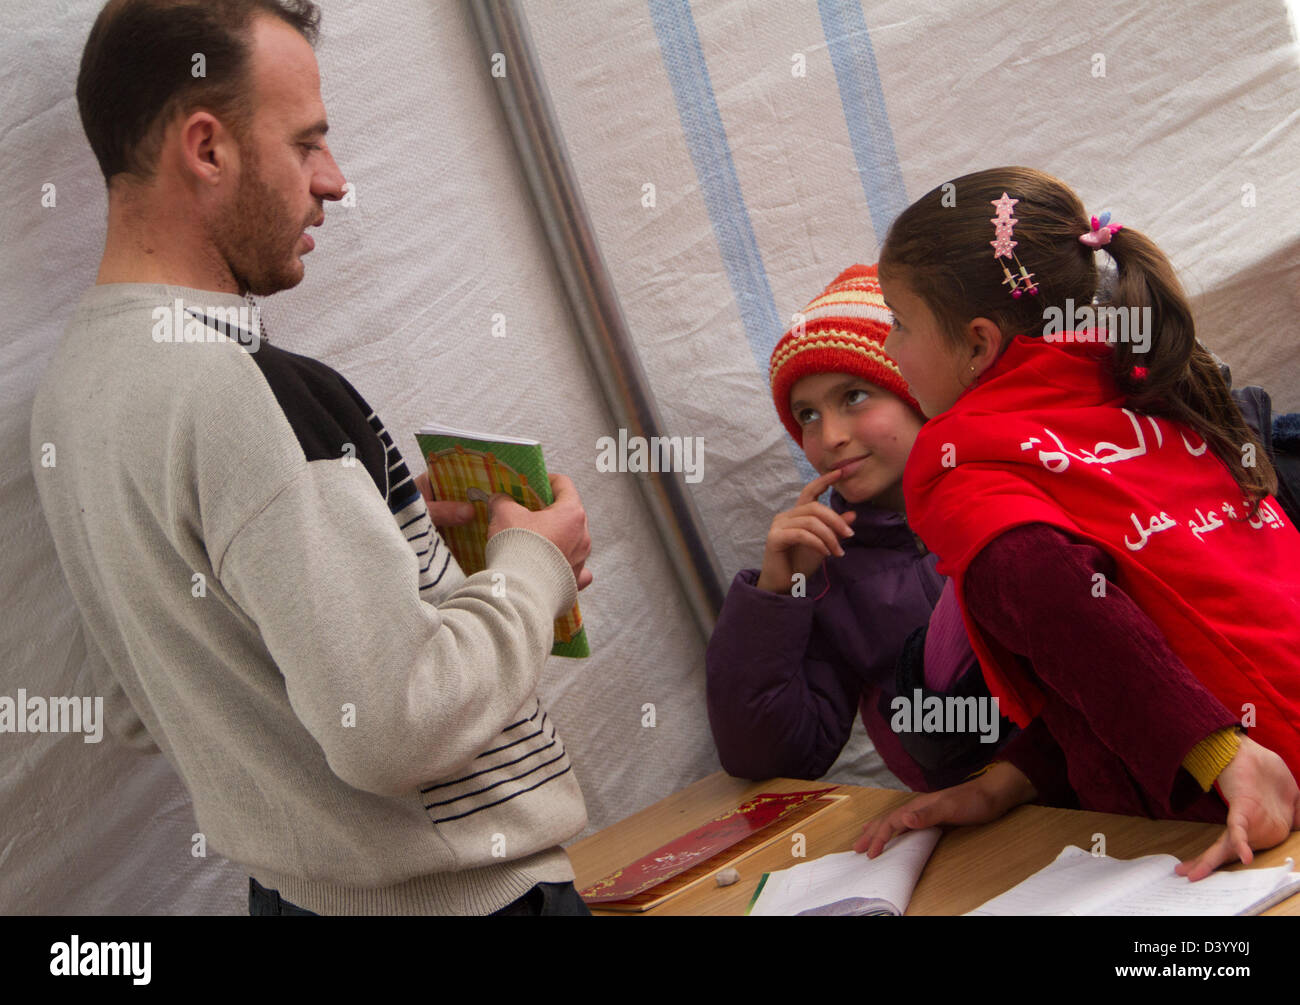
(786, 674)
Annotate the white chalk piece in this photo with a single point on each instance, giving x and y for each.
(727, 876)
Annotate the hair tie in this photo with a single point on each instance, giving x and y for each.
(1100, 234)
(1139, 373)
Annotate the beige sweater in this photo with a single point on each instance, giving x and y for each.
(356, 721)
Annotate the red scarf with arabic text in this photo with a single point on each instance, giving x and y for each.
(1043, 437)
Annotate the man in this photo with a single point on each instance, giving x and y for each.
(356, 721)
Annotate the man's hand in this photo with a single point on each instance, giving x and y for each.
(563, 523)
(443, 514)
(1001, 788)
(802, 536)
(1263, 809)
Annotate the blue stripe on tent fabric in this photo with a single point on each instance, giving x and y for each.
(697, 107)
(863, 99)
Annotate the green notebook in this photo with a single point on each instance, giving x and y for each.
(470, 467)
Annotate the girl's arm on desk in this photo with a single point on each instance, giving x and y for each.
(982, 799)
(1137, 701)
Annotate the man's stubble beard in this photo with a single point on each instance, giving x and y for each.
(254, 235)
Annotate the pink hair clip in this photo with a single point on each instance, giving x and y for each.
(1003, 225)
(1102, 229)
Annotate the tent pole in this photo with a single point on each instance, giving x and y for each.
(591, 295)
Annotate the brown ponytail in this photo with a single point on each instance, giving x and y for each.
(1182, 380)
(939, 246)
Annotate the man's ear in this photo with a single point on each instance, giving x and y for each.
(985, 340)
(206, 147)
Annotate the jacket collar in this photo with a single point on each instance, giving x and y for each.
(876, 527)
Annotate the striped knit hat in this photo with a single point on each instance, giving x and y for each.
(843, 331)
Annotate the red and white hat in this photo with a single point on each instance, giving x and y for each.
(843, 330)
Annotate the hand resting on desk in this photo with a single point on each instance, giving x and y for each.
(978, 801)
(1263, 808)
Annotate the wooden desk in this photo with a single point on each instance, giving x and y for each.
(969, 865)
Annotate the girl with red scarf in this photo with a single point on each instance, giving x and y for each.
(1128, 581)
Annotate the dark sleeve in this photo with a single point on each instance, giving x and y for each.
(1040, 759)
(945, 758)
(1280, 437)
(778, 703)
(1257, 409)
(1032, 589)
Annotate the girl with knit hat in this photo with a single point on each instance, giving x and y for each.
(836, 619)
(1126, 578)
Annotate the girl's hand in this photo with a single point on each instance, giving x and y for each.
(801, 537)
(1001, 788)
(1263, 809)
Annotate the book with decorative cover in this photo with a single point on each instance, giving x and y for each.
(694, 856)
(470, 467)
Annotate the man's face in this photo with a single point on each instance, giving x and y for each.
(285, 168)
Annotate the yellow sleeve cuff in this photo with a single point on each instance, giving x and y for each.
(1211, 756)
(982, 771)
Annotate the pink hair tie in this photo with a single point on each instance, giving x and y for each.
(1139, 373)
(1102, 229)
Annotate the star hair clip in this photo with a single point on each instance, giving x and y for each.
(1100, 234)
(1003, 247)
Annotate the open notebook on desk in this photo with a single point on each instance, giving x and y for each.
(848, 883)
(1079, 882)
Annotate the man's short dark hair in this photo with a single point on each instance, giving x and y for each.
(140, 68)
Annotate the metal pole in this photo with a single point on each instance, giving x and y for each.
(591, 295)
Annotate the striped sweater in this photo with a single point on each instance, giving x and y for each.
(268, 605)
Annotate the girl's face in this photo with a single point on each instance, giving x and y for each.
(932, 366)
(851, 423)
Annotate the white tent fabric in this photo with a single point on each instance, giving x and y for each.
(765, 184)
